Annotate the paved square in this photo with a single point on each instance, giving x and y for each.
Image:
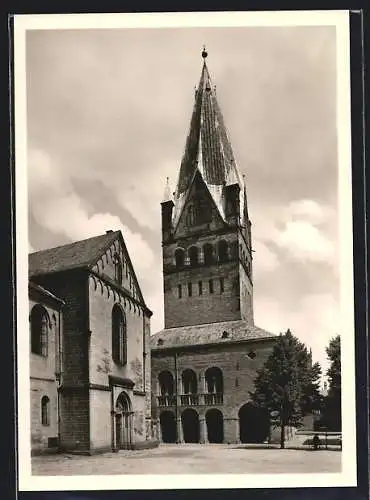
(193, 459)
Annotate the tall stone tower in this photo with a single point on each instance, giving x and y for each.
(206, 230)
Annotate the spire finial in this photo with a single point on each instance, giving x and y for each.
(204, 52)
(167, 191)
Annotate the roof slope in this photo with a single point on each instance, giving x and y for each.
(210, 333)
(207, 150)
(71, 256)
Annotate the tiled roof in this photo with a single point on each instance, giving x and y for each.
(210, 333)
(71, 256)
(208, 150)
(43, 291)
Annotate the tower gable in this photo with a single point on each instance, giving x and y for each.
(199, 213)
(114, 264)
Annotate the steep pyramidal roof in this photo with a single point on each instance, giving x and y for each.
(208, 149)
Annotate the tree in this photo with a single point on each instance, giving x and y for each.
(332, 404)
(287, 384)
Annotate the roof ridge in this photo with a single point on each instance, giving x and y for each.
(74, 242)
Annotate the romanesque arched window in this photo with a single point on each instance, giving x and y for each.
(117, 269)
(208, 253)
(193, 256)
(45, 410)
(190, 215)
(39, 330)
(119, 336)
(179, 257)
(222, 251)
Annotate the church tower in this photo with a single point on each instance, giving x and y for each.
(206, 230)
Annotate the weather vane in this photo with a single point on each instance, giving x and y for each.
(204, 52)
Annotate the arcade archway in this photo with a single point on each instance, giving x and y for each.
(215, 426)
(254, 424)
(190, 426)
(168, 427)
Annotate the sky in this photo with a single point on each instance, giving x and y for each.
(108, 112)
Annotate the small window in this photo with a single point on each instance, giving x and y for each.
(221, 285)
(39, 330)
(190, 289)
(208, 253)
(160, 342)
(119, 336)
(179, 291)
(210, 286)
(45, 410)
(117, 269)
(193, 256)
(225, 335)
(251, 354)
(237, 382)
(200, 288)
(179, 257)
(222, 251)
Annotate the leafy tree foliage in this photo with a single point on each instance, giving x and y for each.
(332, 403)
(288, 383)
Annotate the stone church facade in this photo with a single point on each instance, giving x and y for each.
(205, 359)
(90, 353)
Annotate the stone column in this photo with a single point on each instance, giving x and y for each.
(203, 430)
(180, 437)
(231, 430)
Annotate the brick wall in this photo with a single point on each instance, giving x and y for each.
(43, 380)
(74, 404)
(238, 369)
(207, 307)
(40, 433)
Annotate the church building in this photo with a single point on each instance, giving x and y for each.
(90, 352)
(205, 359)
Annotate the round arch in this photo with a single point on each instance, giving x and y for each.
(167, 422)
(215, 426)
(190, 426)
(123, 422)
(254, 424)
(39, 325)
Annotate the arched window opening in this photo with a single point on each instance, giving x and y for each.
(214, 380)
(222, 251)
(117, 268)
(39, 330)
(166, 383)
(189, 382)
(193, 256)
(166, 389)
(208, 253)
(119, 337)
(190, 215)
(45, 410)
(179, 257)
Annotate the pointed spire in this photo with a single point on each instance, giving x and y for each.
(208, 149)
(167, 191)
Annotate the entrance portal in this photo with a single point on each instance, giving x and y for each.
(168, 427)
(123, 422)
(215, 426)
(254, 424)
(190, 426)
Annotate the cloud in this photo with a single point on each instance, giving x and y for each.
(315, 318)
(302, 229)
(305, 241)
(57, 208)
(265, 260)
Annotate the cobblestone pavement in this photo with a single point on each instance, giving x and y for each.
(192, 459)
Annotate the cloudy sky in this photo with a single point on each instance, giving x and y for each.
(108, 112)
